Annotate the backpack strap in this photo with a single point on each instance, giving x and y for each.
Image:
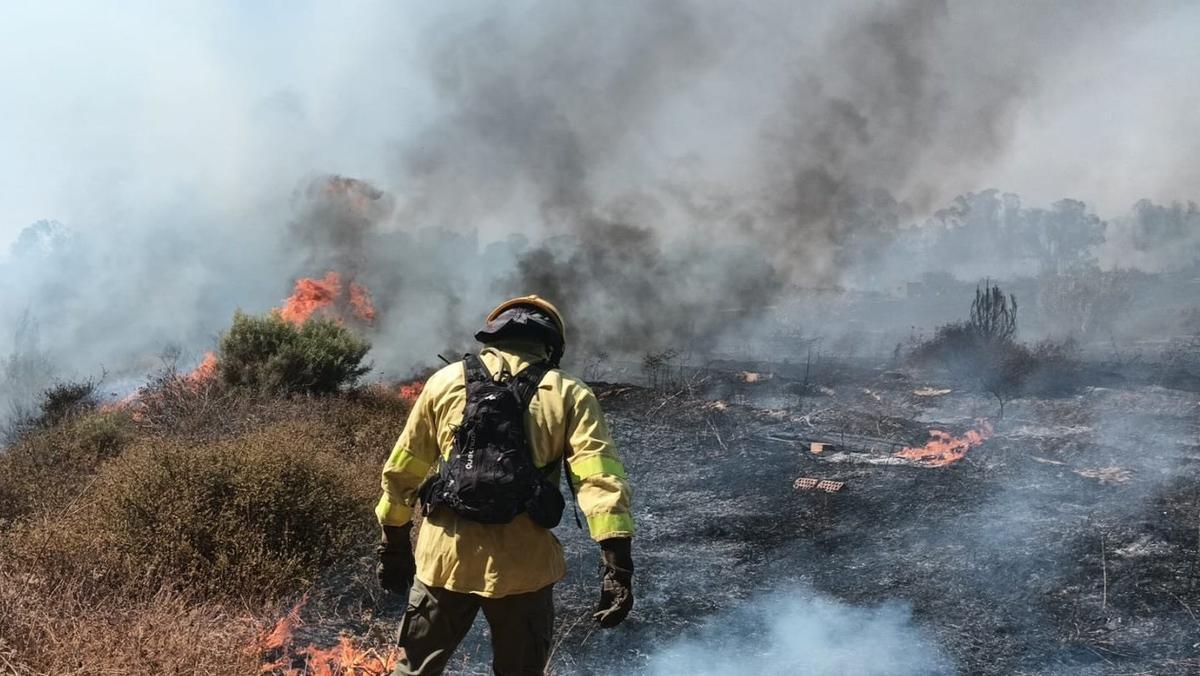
(527, 381)
(475, 370)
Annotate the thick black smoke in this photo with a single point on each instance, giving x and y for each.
(664, 170)
(648, 138)
(335, 220)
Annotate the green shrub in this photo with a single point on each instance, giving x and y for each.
(244, 518)
(269, 354)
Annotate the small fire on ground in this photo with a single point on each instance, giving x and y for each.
(347, 658)
(944, 449)
(411, 390)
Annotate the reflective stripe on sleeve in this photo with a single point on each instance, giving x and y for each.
(597, 464)
(403, 462)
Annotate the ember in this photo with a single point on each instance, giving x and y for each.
(943, 449)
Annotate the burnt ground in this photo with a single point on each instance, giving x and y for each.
(1010, 559)
(1068, 543)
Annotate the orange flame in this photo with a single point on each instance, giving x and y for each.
(205, 372)
(360, 301)
(324, 297)
(410, 391)
(311, 295)
(943, 449)
(344, 659)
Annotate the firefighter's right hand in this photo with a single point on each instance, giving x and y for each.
(396, 563)
(616, 582)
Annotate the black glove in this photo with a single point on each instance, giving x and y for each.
(396, 563)
(616, 582)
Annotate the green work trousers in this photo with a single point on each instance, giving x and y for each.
(437, 619)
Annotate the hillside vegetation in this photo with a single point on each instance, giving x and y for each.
(165, 533)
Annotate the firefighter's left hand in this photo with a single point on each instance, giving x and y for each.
(396, 563)
(616, 584)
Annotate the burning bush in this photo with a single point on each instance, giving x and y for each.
(270, 354)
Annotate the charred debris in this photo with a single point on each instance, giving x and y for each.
(1035, 506)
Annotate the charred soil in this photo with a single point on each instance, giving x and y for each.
(1068, 542)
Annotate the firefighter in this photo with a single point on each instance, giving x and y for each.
(507, 570)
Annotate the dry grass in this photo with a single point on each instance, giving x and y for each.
(42, 469)
(162, 537)
(67, 630)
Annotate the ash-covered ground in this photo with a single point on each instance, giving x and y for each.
(1067, 543)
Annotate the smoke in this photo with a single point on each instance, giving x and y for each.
(1155, 238)
(335, 219)
(666, 171)
(627, 144)
(805, 633)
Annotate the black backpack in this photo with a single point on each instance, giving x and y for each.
(490, 476)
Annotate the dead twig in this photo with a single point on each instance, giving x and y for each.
(563, 636)
(1104, 573)
(663, 403)
(1185, 605)
(717, 433)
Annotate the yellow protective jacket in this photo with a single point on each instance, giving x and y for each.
(496, 560)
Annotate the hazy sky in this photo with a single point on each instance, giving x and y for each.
(124, 110)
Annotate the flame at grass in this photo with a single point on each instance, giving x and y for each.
(347, 658)
(944, 449)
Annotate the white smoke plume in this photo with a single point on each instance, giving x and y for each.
(802, 632)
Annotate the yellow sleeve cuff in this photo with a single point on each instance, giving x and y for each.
(391, 513)
(610, 525)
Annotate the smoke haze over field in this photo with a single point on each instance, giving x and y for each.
(662, 169)
(695, 183)
(797, 633)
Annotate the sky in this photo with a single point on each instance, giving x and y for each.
(117, 110)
